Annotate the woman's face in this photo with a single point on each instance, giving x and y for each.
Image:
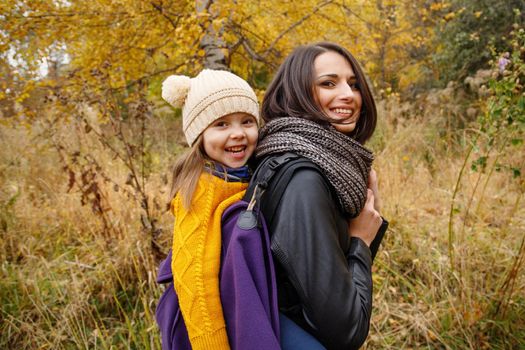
(336, 90)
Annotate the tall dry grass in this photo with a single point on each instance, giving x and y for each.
(422, 299)
(67, 284)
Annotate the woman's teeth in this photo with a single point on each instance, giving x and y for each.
(343, 111)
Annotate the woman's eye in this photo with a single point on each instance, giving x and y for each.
(354, 85)
(328, 83)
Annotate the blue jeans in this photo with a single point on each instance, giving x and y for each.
(294, 337)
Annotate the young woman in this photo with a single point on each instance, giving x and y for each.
(319, 106)
(220, 117)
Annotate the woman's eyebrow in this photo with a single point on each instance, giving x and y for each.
(334, 75)
(331, 75)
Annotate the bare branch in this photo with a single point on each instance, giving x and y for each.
(147, 76)
(254, 55)
(159, 8)
(353, 13)
(71, 14)
(203, 5)
(295, 25)
(237, 28)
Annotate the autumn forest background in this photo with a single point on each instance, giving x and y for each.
(86, 145)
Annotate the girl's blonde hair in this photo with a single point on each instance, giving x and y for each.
(186, 172)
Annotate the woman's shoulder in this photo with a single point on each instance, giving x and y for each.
(288, 166)
(308, 178)
(291, 171)
(308, 183)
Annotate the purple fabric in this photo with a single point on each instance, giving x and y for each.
(247, 285)
(168, 314)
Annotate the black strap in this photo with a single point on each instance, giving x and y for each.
(265, 172)
(281, 181)
(277, 171)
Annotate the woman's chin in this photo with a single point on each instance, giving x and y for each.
(345, 128)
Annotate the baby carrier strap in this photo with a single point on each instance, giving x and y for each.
(276, 171)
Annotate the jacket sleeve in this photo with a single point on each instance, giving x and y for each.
(374, 247)
(334, 286)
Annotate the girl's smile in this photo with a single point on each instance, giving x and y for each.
(231, 140)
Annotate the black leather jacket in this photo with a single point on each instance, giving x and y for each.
(324, 276)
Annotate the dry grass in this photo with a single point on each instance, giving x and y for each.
(66, 284)
(420, 301)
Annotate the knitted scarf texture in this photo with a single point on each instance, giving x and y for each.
(344, 161)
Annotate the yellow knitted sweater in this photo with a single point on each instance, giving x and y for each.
(196, 259)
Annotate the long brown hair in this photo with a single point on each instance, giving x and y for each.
(186, 172)
(291, 92)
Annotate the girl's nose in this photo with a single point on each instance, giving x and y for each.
(237, 132)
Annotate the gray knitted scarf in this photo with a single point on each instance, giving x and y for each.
(344, 161)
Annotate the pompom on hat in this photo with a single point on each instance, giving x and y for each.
(175, 89)
(212, 94)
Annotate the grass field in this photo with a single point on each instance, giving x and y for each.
(449, 274)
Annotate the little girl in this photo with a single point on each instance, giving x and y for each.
(220, 117)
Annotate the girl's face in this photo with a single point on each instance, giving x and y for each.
(231, 140)
(336, 90)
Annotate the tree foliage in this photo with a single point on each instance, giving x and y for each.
(139, 40)
(468, 30)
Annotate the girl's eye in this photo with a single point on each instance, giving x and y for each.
(220, 124)
(249, 121)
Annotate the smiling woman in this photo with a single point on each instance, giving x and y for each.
(326, 227)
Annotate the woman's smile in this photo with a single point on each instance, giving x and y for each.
(336, 91)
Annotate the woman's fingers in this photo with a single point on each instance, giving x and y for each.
(370, 199)
(372, 184)
(372, 179)
(367, 223)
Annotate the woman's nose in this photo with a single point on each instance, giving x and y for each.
(347, 92)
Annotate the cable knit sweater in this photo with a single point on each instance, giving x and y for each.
(196, 259)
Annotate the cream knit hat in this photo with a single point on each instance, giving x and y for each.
(212, 94)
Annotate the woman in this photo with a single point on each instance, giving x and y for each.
(319, 106)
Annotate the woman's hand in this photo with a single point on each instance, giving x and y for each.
(372, 184)
(366, 225)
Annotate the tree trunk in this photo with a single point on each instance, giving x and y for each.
(211, 43)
